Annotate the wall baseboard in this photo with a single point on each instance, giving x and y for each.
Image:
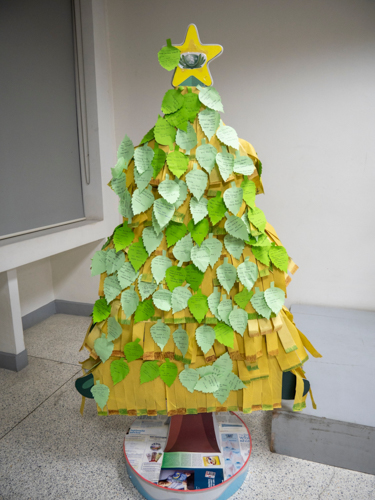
(56, 307)
(14, 362)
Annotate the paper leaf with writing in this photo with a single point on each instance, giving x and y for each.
(205, 336)
(114, 329)
(247, 273)
(208, 383)
(189, 378)
(227, 275)
(145, 311)
(146, 288)
(216, 208)
(198, 209)
(224, 309)
(151, 240)
(235, 383)
(243, 164)
(196, 181)
(118, 169)
(199, 231)
(209, 120)
(200, 257)
(123, 236)
(275, 298)
(177, 162)
(233, 198)
(238, 320)
(187, 140)
(149, 371)
(243, 298)
(137, 254)
(129, 301)
(159, 265)
(205, 370)
(169, 190)
(191, 104)
(169, 56)
(112, 288)
(143, 180)
(133, 350)
(174, 233)
(178, 119)
(257, 218)
(175, 276)
(181, 339)
(158, 160)
(125, 206)
(101, 311)
(183, 248)
(162, 299)
(228, 136)
(163, 211)
(118, 184)
(198, 306)
(279, 257)
(261, 254)
(168, 372)
(234, 246)
(126, 275)
(225, 162)
(142, 158)
(183, 192)
(210, 97)
(180, 297)
(165, 133)
(114, 260)
(103, 348)
(119, 370)
(160, 333)
(260, 305)
(206, 156)
(101, 394)
(213, 302)
(142, 200)
(236, 227)
(262, 241)
(245, 220)
(194, 277)
(223, 366)
(148, 137)
(126, 150)
(222, 393)
(214, 246)
(172, 101)
(99, 263)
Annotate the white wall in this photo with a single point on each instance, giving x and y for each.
(296, 78)
(35, 285)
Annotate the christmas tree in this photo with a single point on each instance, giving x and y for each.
(191, 314)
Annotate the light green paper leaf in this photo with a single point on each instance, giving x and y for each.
(275, 298)
(119, 370)
(99, 263)
(179, 119)
(198, 209)
(142, 200)
(172, 101)
(133, 350)
(101, 394)
(101, 310)
(118, 184)
(227, 275)
(247, 273)
(191, 104)
(125, 206)
(224, 309)
(142, 158)
(158, 160)
(174, 233)
(155, 224)
(257, 218)
(245, 220)
(261, 254)
(228, 136)
(183, 248)
(279, 257)
(205, 336)
(205, 370)
(148, 137)
(187, 140)
(114, 261)
(222, 393)
(129, 301)
(126, 275)
(169, 56)
(149, 371)
(236, 227)
(233, 198)
(189, 378)
(210, 97)
(198, 306)
(262, 241)
(162, 299)
(213, 302)
(223, 366)
(225, 162)
(126, 150)
(118, 169)
(122, 237)
(177, 162)
(159, 266)
(145, 311)
(168, 372)
(208, 383)
(234, 382)
(238, 320)
(165, 133)
(180, 297)
(243, 164)
(145, 288)
(169, 190)
(196, 181)
(163, 211)
(200, 257)
(209, 120)
(175, 276)
(103, 347)
(216, 208)
(234, 246)
(143, 180)
(181, 339)
(199, 231)
(243, 298)
(150, 239)
(160, 333)
(137, 254)
(182, 194)
(214, 246)
(112, 288)
(206, 156)
(194, 277)
(114, 329)
(260, 305)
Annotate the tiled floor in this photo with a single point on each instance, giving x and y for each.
(48, 451)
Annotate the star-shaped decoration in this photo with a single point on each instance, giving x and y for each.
(195, 57)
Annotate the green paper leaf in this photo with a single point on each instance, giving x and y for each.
(145, 311)
(151, 240)
(122, 237)
(200, 257)
(205, 370)
(189, 378)
(227, 275)
(209, 120)
(257, 218)
(238, 320)
(248, 274)
(191, 105)
(112, 288)
(126, 150)
(275, 298)
(222, 393)
(243, 165)
(118, 169)
(214, 246)
(183, 193)
(100, 393)
(126, 275)
(261, 254)
(243, 298)
(159, 266)
(148, 137)
(279, 257)
(222, 367)
(133, 350)
(198, 209)
(177, 163)
(187, 140)
(118, 184)
(260, 305)
(129, 301)
(142, 200)
(137, 254)
(262, 241)
(225, 162)
(214, 301)
(163, 211)
(114, 329)
(236, 227)
(178, 119)
(206, 156)
(181, 339)
(182, 250)
(198, 306)
(169, 190)
(174, 233)
(160, 333)
(145, 288)
(234, 246)
(216, 208)
(158, 160)
(194, 277)
(103, 347)
(180, 297)
(162, 299)
(199, 231)
(169, 56)
(119, 370)
(228, 136)
(143, 180)
(234, 382)
(205, 336)
(224, 309)
(196, 181)
(149, 371)
(233, 198)
(210, 97)
(208, 383)
(168, 372)
(101, 311)
(125, 206)
(143, 156)
(114, 261)
(98, 263)
(165, 133)
(172, 101)
(175, 276)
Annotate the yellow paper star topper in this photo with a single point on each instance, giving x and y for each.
(192, 70)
